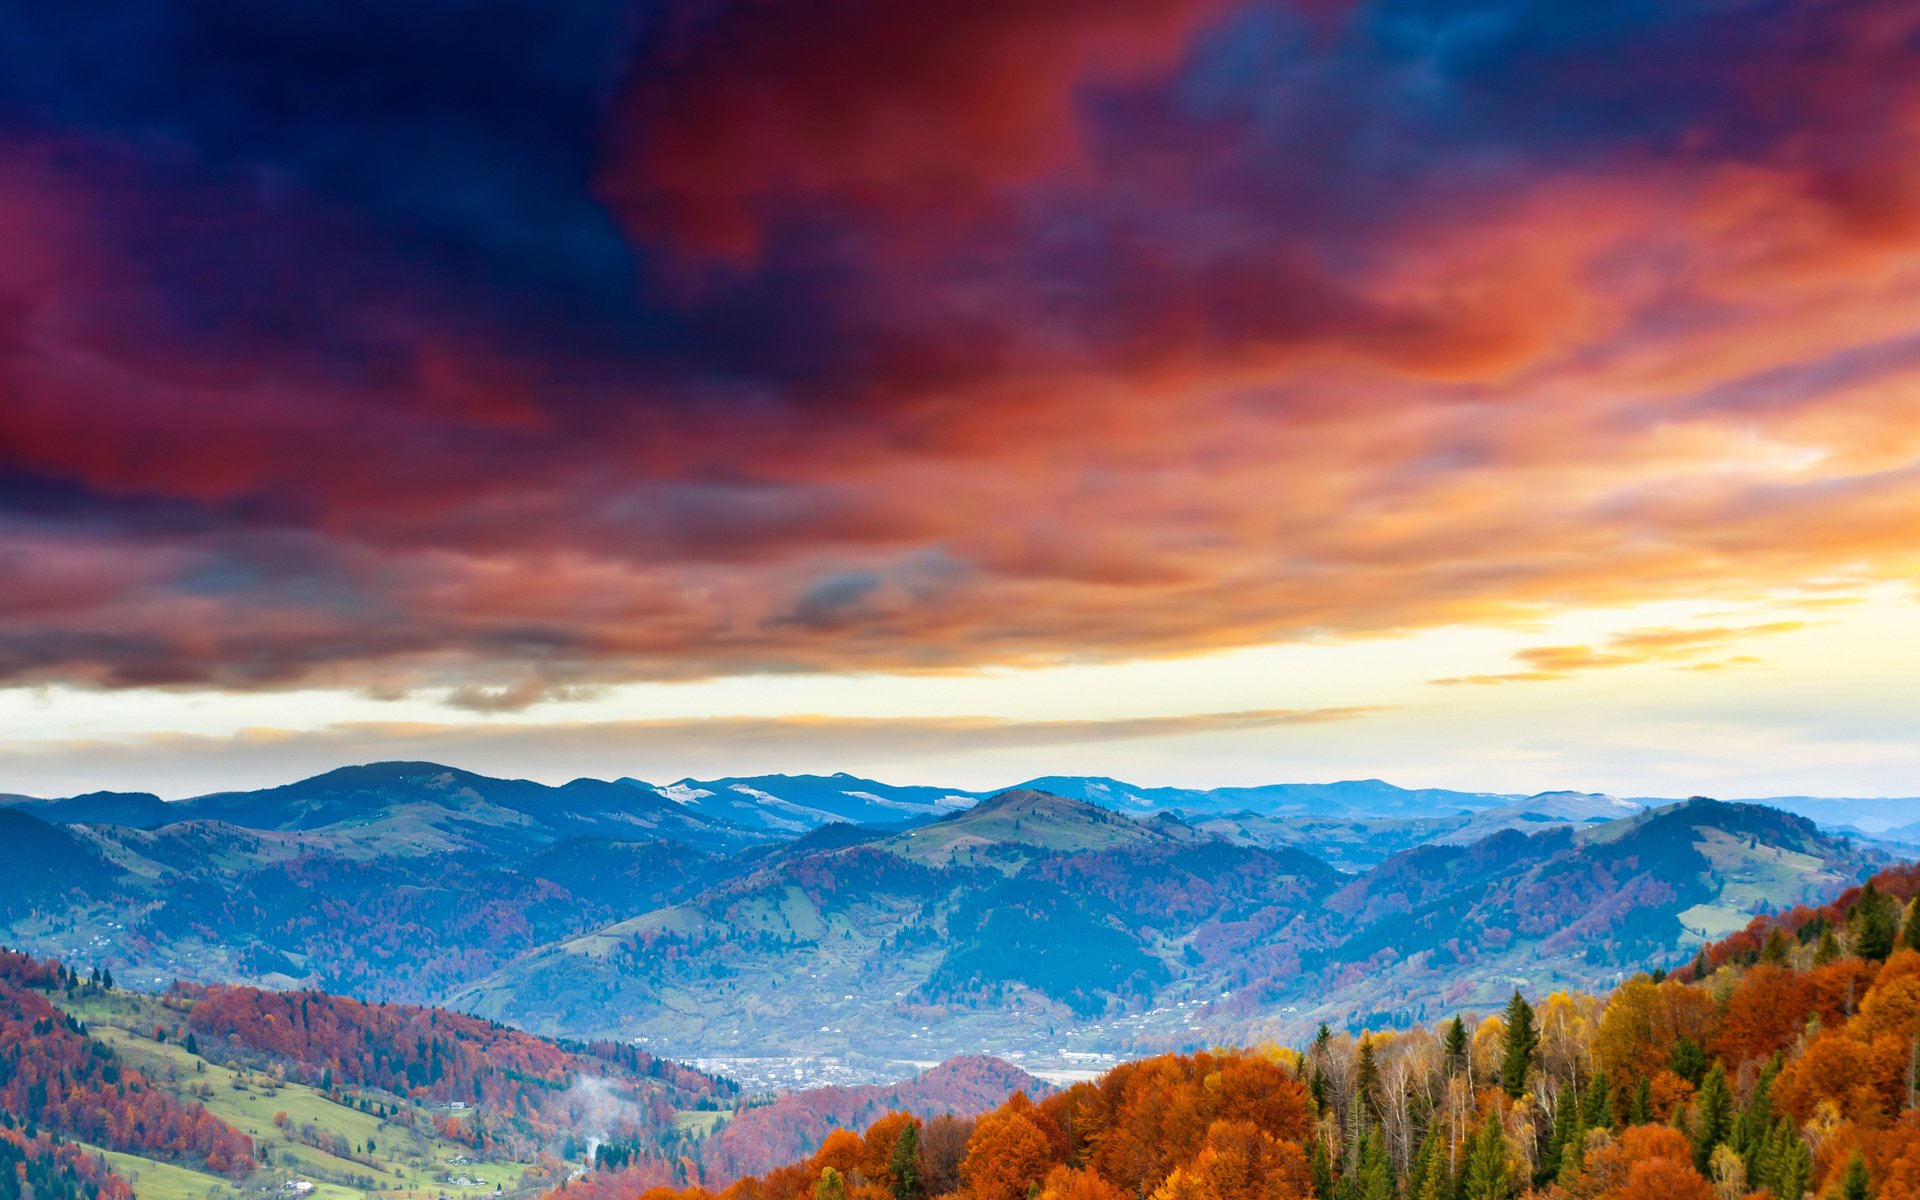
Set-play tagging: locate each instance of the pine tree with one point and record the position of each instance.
(1913, 925)
(1598, 1114)
(1456, 1045)
(1750, 1128)
(1713, 1119)
(1855, 1185)
(1784, 1164)
(1828, 949)
(1573, 1157)
(1878, 918)
(1321, 1165)
(1366, 1083)
(1689, 1060)
(1375, 1176)
(1522, 1040)
(1775, 950)
(904, 1165)
(1488, 1175)
(1641, 1110)
(1423, 1161)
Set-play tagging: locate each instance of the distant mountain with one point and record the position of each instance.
(1453, 925)
(1537, 813)
(140, 810)
(1873, 815)
(1351, 798)
(1357, 844)
(1008, 924)
(448, 806)
(46, 866)
(1031, 915)
(1028, 908)
(1007, 830)
(390, 880)
(790, 804)
(1907, 834)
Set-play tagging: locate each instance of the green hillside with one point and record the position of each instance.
(300, 1132)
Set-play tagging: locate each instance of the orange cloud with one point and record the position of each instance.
(1678, 646)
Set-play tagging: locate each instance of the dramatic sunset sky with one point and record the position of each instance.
(1500, 394)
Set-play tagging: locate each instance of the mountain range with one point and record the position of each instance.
(726, 812)
(1051, 928)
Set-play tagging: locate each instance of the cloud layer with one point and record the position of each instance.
(581, 344)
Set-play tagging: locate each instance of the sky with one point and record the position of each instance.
(1498, 395)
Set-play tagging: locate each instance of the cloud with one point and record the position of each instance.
(674, 341)
(1686, 649)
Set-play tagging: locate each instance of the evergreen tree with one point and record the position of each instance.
(1775, 950)
(1375, 1174)
(1751, 1127)
(1488, 1174)
(1321, 1164)
(904, 1165)
(1828, 949)
(1573, 1157)
(1913, 925)
(1641, 1111)
(1423, 1162)
(1456, 1045)
(1598, 1114)
(1855, 1185)
(1713, 1119)
(1689, 1060)
(1523, 1039)
(1878, 917)
(1366, 1081)
(1784, 1165)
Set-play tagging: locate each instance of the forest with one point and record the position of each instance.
(1782, 1063)
(53, 1075)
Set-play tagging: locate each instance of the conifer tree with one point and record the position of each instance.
(1877, 915)
(904, 1164)
(1522, 1040)
(1784, 1165)
(1456, 1045)
(1573, 1157)
(1774, 952)
(1855, 1185)
(1689, 1060)
(1713, 1119)
(1828, 949)
(1321, 1165)
(1913, 925)
(1641, 1110)
(1488, 1175)
(1599, 1113)
(1366, 1082)
(1375, 1174)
